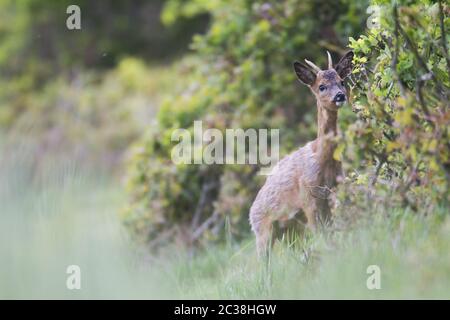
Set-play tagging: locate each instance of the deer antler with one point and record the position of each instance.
(312, 65)
(330, 61)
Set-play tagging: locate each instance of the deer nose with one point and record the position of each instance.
(340, 97)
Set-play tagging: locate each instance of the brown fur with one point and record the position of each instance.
(303, 179)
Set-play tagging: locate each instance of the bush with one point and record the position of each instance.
(91, 117)
(396, 145)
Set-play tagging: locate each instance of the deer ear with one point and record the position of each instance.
(344, 66)
(304, 74)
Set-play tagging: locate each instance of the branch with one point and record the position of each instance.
(377, 172)
(206, 188)
(205, 225)
(396, 52)
(443, 35)
(420, 98)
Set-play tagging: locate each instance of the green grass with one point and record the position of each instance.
(411, 251)
(65, 215)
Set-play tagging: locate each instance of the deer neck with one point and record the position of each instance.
(326, 122)
(326, 131)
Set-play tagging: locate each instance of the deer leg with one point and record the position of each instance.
(262, 227)
(310, 213)
(324, 213)
(317, 213)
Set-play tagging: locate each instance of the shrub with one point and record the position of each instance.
(395, 146)
(91, 117)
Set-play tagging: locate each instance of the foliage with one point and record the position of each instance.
(109, 29)
(91, 117)
(175, 9)
(36, 47)
(396, 145)
(242, 77)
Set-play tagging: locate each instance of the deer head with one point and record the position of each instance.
(327, 85)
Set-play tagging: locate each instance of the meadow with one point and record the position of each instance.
(69, 216)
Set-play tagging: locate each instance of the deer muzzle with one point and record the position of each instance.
(339, 99)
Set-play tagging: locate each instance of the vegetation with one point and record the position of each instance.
(69, 218)
(92, 117)
(397, 142)
(73, 103)
(86, 93)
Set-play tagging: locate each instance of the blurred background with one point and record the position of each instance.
(88, 93)
(86, 118)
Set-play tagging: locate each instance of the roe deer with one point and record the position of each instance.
(302, 180)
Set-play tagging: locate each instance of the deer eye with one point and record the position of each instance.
(322, 87)
(342, 83)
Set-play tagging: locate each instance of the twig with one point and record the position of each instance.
(206, 188)
(419, 96)
(377, 172)
(162, 237)
(205, 225)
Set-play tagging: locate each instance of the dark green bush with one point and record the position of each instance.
(396, 145)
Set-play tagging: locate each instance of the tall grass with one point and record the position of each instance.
(64, 214)
(412, 252)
